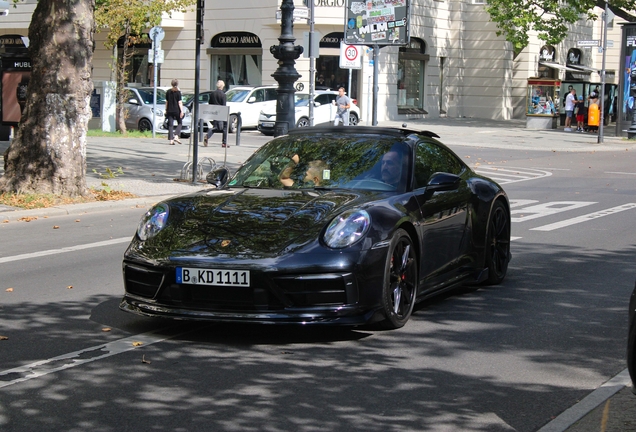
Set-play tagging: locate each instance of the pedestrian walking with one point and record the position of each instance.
(581, 113)
(217, 97)
(343, 103)
(570, 100)
(174, 112)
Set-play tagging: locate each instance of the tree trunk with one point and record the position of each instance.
(48, 154)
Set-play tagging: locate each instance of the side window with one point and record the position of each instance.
(259, 95)
(431, 158)
(323, 99)
(271, 94)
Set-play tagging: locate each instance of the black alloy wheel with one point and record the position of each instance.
(145, 125)
(400, 281)
(498, 244)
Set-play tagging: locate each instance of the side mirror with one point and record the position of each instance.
(251, 100)
(317, 104)
(440, 182)
(219, 177)
(133, 101)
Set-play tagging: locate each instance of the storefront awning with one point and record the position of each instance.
(559, 66)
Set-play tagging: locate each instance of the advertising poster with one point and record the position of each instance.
(14, 93)
(377, 22)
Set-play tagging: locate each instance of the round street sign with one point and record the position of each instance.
(351, 52)
(156, 33)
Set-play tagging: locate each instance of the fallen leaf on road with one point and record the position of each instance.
(9, 290)
(77, 220)
(137, 343)
(5, 221)
(4, 337)
(69, 287)
(106, 329)
(143, 359)
(56, 226)
(28, 218)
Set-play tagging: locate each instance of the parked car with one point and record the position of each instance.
(247, 100)
(321, 226)
(324, 112)
(139, 106)
(631, 340)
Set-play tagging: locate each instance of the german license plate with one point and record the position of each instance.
(267, 124)
(215, 277)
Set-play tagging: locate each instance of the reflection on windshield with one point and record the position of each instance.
(236, 95)
(301, 100)
(328, 161)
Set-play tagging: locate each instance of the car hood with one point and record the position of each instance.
(254, 222)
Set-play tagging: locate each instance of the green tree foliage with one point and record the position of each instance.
(131, 19)
(551, 19)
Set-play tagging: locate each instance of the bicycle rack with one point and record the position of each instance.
(186, 171)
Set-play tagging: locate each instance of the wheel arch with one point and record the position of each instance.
(412, 232)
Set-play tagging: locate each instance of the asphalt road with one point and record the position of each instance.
(512, 357)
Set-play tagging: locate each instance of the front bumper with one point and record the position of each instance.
(342, 291)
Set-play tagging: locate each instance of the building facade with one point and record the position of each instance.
(455, 65)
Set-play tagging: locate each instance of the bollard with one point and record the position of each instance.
(238, 128)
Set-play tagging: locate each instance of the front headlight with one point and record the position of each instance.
(153, 221)
(158, 112)
(347, 228)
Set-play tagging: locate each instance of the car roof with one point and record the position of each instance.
(358, 130)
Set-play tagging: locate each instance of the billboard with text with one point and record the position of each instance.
(377, 22)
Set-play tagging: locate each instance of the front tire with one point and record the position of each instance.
(302, 122)
(399, 290)
(145, 125)
(498, 244)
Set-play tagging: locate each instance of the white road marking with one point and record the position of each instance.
(585, 218)
(65, 249)
(77, 358)
(518, 203)
(515, 238)
(576, 412)
(622, 173)
(506, 175)
(547, 209)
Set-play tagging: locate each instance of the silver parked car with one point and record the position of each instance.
(139, 104)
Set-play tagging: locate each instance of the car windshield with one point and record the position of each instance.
(328, 160)
(301, 100)
(236, 95)
(147, 96)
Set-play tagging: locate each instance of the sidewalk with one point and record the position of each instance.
(154, 170)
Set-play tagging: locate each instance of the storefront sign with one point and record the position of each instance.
(377, 23)
(235, 40)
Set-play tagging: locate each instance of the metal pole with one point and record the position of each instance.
(312, 63)
(197, 74)
(155, 54)
(600, 126)
(376, 54)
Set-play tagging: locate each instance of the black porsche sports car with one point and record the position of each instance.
(323, 225)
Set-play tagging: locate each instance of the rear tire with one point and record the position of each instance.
(498, 244)
(233, 124)
(399, 291)
(353, 119)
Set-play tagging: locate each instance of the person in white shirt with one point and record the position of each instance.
(570, 100)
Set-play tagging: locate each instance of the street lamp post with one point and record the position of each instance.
(286, 75)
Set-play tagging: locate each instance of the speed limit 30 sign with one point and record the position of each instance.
(350, 56)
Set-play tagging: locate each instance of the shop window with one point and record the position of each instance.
(236, 58)
(412, 61)
(138, 69)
